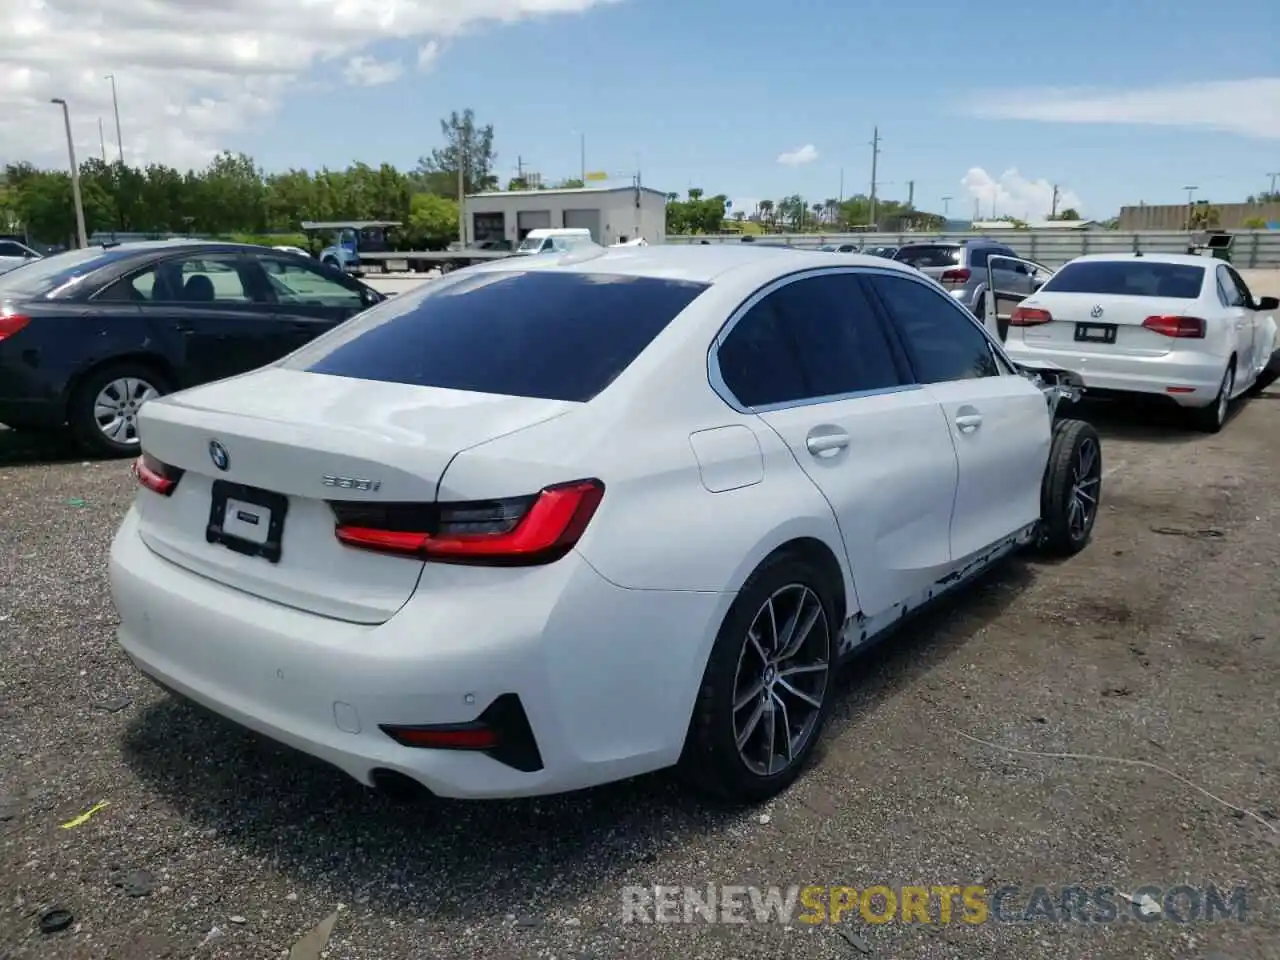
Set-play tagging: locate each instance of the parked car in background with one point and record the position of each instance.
(554, 240)
(88, 336)
(839, 248)
(1183, 328)
(14, 254)
(551, 522)
(881, 251)
(961, 268)
(298, 251)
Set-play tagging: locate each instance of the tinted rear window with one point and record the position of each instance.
(1134, 278)
(41, 277)
(928, 256)
(547, 334)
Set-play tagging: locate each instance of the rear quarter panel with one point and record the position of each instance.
(65, 341)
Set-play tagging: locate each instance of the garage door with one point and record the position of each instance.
(532, 220)
(584, 220)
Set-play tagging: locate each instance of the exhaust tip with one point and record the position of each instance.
(398, 787)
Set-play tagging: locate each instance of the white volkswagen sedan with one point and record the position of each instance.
(556, 521)
(1181, 327)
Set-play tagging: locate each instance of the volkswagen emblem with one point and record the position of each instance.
(1096, 312)
(218, 454)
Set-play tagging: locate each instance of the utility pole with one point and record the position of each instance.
(1191, 192)
(75, 174)
(115, 103)
(977, 209)
(102, 142)
(911, 194)
(1053, 212)
(946, 206)
(462, 192)
(875, 158)
(1273, 177)
(842, 184)
(583, 154)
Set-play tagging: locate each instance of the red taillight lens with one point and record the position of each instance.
(458, 738)
(156, 476)
(516, 531)
(960, 275)
(1029, 317)
(11, 323)
(1192, 327)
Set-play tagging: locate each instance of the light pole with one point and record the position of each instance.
(1191, 192)
(946, 206)
(115, 103)
(75, 174)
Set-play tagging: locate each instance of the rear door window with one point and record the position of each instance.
(922, 256)
(1133, 278)
(811, 339)
(547, 334)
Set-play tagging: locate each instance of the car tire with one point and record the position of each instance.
(725, 747)
(1212, 418)
(143, 382)
(1071, 491)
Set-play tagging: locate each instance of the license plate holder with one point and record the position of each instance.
(247, 520)
(1095, 333)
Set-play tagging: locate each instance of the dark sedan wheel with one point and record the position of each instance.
(103, 414)
(768, 685)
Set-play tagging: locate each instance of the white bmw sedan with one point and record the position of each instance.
(557, 521)
(1181, 327)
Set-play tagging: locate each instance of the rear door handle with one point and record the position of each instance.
(968, 422)
(826, 444)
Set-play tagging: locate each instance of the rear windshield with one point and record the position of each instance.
(547, 334)
(928, 256)
(1134, 278)
(40, 277)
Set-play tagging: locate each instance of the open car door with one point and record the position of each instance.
(1000, 302)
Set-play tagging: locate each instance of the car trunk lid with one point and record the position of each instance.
(280, 445)
(1096, 315)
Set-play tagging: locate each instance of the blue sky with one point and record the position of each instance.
(711, 93)
(705, 93)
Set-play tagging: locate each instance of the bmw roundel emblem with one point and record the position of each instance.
(218, 454)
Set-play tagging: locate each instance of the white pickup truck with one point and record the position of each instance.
(15, 254)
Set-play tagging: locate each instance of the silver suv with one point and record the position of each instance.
(961, 268)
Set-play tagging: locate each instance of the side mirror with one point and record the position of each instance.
(1268, 303)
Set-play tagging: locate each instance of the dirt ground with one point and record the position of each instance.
(1159, 644)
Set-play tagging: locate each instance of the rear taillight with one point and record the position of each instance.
(1191, 327)
(517, 531)
(960, 275)
(156, 476)
(11, 323)
(1029, 317)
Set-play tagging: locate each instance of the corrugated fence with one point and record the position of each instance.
(1252, 249)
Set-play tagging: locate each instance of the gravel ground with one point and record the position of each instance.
(1160, 643)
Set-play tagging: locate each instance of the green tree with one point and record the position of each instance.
(432, 223)
(467, 143)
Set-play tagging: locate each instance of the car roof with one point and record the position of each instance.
(697, 263)
(1185, 259)
(148, 246)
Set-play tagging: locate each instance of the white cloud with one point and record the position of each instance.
(1013, 195)
(799, 156)
(371, 72)
(190, 73)
(1247, 107)
(427, 54)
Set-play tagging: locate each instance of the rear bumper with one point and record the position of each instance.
(605, 676)
(1193, 377)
